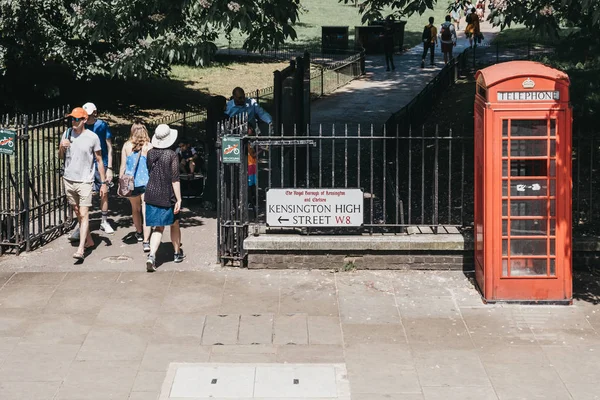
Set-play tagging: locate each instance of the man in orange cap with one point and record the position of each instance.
(79, 148)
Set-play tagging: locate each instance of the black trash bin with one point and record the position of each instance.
(369, 38)
(334, 38)
(398, 33)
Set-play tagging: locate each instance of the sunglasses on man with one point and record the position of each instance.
(77, 119)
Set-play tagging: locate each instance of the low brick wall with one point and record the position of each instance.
(422, 252)
(449, 260)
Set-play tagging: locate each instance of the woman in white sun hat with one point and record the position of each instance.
(163, 194)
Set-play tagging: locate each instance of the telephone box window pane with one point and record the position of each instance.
(505, 208)
(504, 247)
(528, 187)
(534, 127)
(552, 167)
(552, 267)
(528, 148)
(528, 247)
(552, 227)
(528, 266)
(552, 247)
(552, 208)
(505, 188)
(528, 168)
(552, 187)
(528, 227)
(505, 128)
(528, 208)
(552, 127)
(504, 267)
(504, 148)
(504, 168)
(504, 227)
(552, 148)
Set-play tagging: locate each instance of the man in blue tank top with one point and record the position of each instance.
(100, 128)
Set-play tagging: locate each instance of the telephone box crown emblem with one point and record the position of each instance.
(528, 83)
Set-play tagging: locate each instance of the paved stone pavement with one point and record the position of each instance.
(106, 329)
(374, 97)
(97, 334)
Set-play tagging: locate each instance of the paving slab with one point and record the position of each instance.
(29, 390)
(178, 328)
(96, 380)
(291, 330)
(221, 329)
(256, 329)
(324, 330)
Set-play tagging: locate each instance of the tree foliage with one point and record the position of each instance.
(131, 38)
(544, 16)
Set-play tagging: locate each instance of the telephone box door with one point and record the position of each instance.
(536, 206)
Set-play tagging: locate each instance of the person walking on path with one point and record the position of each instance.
(388, 42)
(448, 38)
(100, 128)
(455, 11)
(480, 10)
(80, 147)
(239, 104)
(473, 31)
(429, 41)
(163, 194)
(133, 163)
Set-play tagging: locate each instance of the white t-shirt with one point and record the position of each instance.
(79, 158)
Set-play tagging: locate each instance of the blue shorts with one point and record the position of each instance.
(251, 180)
(97, 178)
(160, 216)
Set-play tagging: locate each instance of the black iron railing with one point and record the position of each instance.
(33, 208)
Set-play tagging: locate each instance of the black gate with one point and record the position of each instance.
(423, 179)
(33, 207)
(232, 204)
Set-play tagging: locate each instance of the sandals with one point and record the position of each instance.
(78, 256)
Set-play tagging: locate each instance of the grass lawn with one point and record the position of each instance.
(187, 88)
(190, 87)
(331, 12)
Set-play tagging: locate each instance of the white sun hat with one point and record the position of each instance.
(164, 137)
(89, 108)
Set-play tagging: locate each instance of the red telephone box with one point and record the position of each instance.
(523, 183)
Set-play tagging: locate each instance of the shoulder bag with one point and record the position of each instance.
(127, 182)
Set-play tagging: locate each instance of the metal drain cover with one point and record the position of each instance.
(256, 381)
(117, 259)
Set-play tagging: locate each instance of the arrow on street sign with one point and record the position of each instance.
(282, 219)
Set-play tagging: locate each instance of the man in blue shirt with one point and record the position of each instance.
(240, 104)
(100, 128)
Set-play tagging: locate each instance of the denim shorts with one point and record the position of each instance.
(160, 216)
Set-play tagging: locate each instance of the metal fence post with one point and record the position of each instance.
(362, 62)
(26, 203)
(322, 81)
(277, 101)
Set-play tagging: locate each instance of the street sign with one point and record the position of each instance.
(231, 146)
(7, 142)
(315, 207)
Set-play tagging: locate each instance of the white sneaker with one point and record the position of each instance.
(105, 226)
(74, 236)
